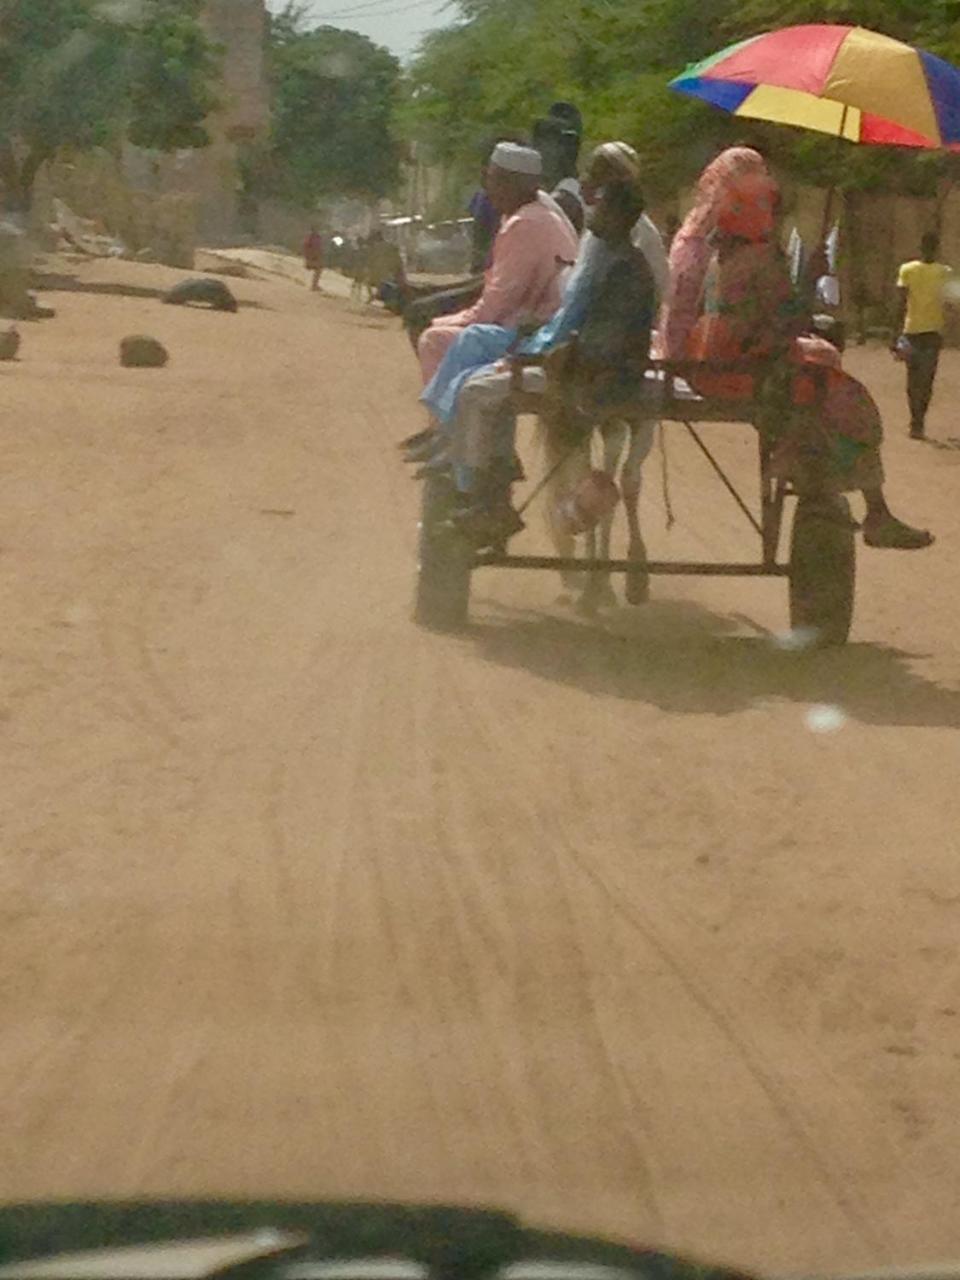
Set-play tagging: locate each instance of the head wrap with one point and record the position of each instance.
(746, 207)
(716, 181)
(692, 246)
(515, 159)
(621, 157)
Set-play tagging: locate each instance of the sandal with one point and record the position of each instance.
(887, 531)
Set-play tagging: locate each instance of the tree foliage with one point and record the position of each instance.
(82, 73)
(505, 60)
(334, 98)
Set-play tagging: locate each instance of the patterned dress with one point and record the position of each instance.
(824, 430)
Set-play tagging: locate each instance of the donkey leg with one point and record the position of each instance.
(571, 469)
(613, 437)
(591, 597)
(631, 484)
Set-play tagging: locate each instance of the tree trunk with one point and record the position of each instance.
(31, 166)
(10, 177)
(18, 178)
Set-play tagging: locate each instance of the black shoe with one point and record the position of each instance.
(508, 471)
(425, 444)
(429, 449)
(439, 464)
(918, 433)
(415, 441)
(485, 526)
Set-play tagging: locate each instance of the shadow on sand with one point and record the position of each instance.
(51, 282)
(688, 660)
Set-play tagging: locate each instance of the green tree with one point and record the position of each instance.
(78, 74)
(335, 94)
(506, 60)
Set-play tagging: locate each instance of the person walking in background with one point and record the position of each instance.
(313, 256)
(918, 333)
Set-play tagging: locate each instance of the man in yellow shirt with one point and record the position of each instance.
(919, 328)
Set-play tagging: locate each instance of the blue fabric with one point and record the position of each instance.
(474, 348)
(726, 94)
(592, 259)
(482, 208)
(464, 477)
(481, 345)
(943, 81)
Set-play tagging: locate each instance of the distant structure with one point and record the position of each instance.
(212, 175)
(163, 203)
(240, 27)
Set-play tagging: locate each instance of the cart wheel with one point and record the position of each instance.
(822, 569)
(638, 577)
(445, 562)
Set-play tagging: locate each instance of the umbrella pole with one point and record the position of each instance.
(831, 193)
(827, 216)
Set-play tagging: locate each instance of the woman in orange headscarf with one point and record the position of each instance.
(692, 248)
(826, 430)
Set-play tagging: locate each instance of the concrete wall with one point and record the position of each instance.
(95, 186)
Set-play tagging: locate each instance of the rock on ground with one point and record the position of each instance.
(141, 352)
(204, 292)
(9, 343)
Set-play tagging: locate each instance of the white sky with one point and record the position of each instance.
(398, 24)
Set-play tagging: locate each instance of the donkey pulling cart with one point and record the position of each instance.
(820, 569)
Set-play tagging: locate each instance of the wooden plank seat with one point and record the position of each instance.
(667, 393)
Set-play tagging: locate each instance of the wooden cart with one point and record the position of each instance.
(820, 570)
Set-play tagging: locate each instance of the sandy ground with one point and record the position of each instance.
(583, 920)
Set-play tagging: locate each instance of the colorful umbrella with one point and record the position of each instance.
(845, 81)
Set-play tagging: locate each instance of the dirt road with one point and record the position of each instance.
(585, 920)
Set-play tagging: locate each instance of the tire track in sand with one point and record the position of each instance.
(517, 778)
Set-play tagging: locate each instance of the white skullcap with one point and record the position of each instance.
(515, 159)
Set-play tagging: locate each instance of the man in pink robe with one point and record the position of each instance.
(535, 246)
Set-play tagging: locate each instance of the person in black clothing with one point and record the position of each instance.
(557, 137)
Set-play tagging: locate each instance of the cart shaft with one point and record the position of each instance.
(682, 568)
